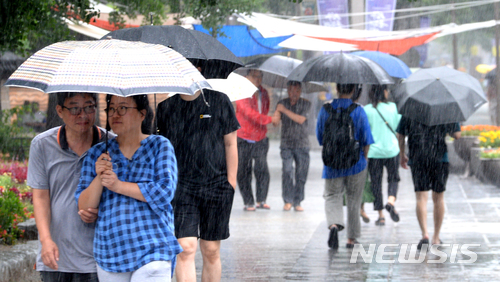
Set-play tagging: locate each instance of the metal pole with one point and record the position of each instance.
(454, 40)
(497, 58)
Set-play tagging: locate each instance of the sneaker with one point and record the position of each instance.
(333, 238)
(351, 245)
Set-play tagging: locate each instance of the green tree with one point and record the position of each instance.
(213, 13)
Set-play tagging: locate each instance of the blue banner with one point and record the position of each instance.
(333, 13)
(380, 14)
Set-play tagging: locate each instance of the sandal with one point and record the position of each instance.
(299, 208)
(249, 208)
(392, 210)
(287, 207)
(423, 242)
(380, 221)
(365, 217)
(263, 206)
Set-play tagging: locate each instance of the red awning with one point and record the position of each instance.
(391, 46)
(104, 24)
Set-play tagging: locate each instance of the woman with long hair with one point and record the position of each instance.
(384, 118)
(132, 185)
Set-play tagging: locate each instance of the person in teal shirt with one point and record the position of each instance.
(384, 118)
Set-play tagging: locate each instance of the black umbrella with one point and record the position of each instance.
(276, 70)
(341, 68)
(201, 49)
(440, 96)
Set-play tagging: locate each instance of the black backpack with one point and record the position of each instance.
(340, 148)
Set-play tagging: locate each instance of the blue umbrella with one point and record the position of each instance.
(392, 65)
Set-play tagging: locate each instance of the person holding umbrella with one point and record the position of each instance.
(383, 117)
(428, 159)
(293, 112)
(351, 179)
(60, 151)
(132, 185)
(253, 143)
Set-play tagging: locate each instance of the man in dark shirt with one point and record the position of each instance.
(202, 129)
(293, 112)
(428, 159)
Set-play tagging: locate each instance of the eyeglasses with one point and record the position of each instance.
(122, 110)
(77, 110)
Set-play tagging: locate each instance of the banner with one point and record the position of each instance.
(425, 22)
(380, 14)
(333, 13)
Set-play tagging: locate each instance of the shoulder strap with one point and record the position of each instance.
(386, 123)
(352, 107)
(328, 107)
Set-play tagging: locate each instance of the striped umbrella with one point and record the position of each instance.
(108, 66)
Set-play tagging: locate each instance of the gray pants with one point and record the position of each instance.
(293, 193)
(333, 195)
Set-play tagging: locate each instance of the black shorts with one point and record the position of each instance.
(432, 176)
(203, 213)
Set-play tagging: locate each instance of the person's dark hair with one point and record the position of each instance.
(344, 89)
(357, 92)
(376, 94)
(250, 70)
(293, 83)
(142, 102)
(62, 96)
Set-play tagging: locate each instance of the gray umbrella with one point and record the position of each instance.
(216, 60)
(276, 69)
(440, 96)
(341, 68)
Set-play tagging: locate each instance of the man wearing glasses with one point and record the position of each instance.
(66, 235)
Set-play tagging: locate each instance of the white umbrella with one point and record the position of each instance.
(236, 87)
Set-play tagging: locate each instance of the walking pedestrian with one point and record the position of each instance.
(367, 196)
(293, 113)
(383, 117)
(428, 159)
(253, 145)
(202, 129)
(56, 157)
(132, 185)
(351, 179)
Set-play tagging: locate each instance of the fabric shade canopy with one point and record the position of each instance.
(245, 42)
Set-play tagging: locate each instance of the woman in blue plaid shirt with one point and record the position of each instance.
(132, 185)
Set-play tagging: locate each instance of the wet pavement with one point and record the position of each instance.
(275, 245)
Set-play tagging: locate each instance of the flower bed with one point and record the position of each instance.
(475, 130)
(16, 203)
(489, 139)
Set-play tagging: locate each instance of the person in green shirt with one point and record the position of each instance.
(384, 118)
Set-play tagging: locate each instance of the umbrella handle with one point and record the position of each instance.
(203, 95)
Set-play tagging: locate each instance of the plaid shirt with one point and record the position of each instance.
(130, 233)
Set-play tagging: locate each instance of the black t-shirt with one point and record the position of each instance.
(197, 133)
(434, 134)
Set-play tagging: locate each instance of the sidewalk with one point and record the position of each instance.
(274, 245)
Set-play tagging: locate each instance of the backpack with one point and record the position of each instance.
(340, 148)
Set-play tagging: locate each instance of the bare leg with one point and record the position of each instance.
(422, 212)
(185, 270)
(391, 200)
(212, 269)
(438, 199)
